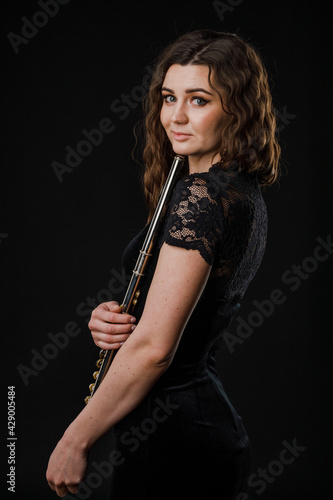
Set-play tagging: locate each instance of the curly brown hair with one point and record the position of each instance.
(236, 71)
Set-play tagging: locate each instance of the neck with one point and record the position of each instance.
(199, 164)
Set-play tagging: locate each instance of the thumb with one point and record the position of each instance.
(113, 306)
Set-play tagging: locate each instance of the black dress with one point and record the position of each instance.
(186, 440)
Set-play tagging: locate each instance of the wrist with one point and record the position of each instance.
(76, 438)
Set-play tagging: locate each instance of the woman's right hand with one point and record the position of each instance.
(109, 327)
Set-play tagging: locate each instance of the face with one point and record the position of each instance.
(192, 114)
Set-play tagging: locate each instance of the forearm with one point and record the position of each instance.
(148, 351)
(130, 377)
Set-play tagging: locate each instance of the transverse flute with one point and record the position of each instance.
(132, 292)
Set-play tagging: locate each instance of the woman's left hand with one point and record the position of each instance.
(67, 467)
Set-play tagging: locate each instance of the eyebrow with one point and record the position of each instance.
(188, 91)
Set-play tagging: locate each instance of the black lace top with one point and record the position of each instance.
(222, 215)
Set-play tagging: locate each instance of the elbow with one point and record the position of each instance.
(154, 353)
(158, 358)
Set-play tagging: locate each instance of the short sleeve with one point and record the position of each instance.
(195, 218)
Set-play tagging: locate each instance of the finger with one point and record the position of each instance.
(110, 328)
(111, 316)
(110, 304)
(61, 490)
(73, 488)
(114, 306)
(119, 317)
(109, 339)
(109, 347)
(51, 485)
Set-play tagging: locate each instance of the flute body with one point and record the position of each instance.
(132, 292)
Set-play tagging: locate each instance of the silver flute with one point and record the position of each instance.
(132, 293)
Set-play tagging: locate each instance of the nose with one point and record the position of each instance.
(179, 114)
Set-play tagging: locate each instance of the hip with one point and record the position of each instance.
(179, 408)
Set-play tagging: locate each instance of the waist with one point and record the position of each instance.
(180, 376)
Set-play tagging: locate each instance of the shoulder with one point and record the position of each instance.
(202, 209)
(195, 216)
(195, 198)
(214, 199)
(209, 190)
(200, 188)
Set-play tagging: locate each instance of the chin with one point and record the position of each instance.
(182, 149)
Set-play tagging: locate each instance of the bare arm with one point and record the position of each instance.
(178, 281)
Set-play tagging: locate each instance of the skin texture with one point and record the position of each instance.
(147, 351)
(193, 119)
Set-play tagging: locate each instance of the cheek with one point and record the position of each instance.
(210, 125)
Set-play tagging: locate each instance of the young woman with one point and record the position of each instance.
(177, 433)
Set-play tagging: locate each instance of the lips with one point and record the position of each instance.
(180, 136)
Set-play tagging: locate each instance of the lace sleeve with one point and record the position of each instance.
(194, 219)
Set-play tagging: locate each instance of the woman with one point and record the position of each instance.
(176, 431)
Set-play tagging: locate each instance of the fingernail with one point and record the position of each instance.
(133, 320)
(121, 343)
(133, 327)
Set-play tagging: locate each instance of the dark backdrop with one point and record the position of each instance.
(66, 70)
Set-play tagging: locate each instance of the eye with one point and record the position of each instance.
(199, 101)
(168, 98)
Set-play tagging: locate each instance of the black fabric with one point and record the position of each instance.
(186, 438)
(221, 214)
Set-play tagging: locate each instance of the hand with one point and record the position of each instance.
(109, 327)
(67, 467)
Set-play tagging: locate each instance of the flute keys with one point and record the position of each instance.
(91, 388)
(136, 296)
(99, 362)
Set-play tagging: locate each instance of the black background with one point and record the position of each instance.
(61, 242)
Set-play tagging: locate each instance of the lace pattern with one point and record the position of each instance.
(222, 215)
